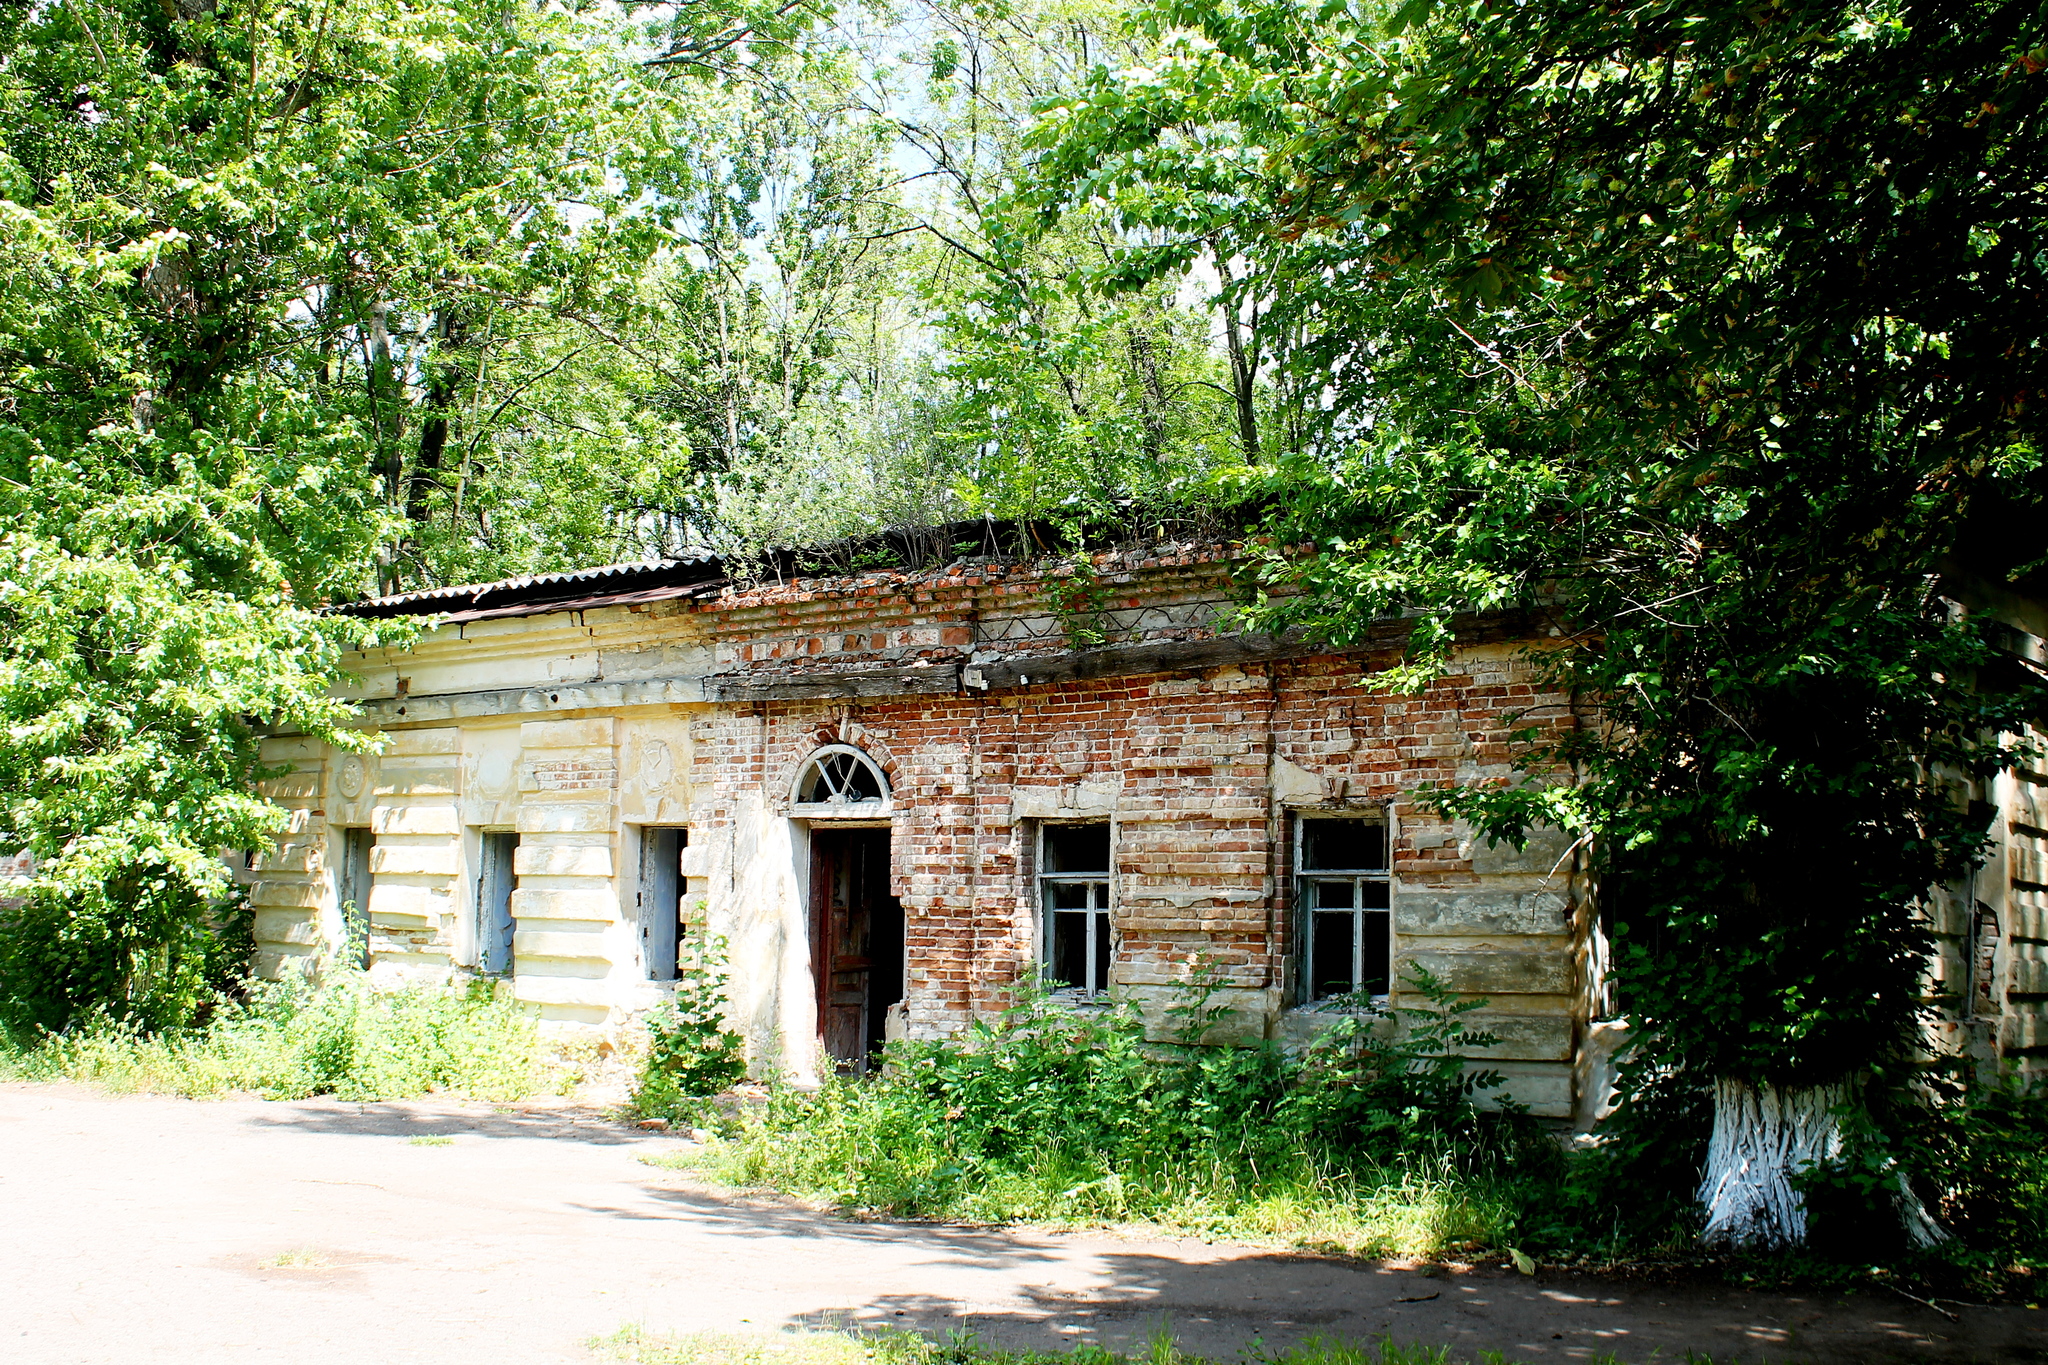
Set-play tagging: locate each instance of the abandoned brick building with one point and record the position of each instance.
(891, 792)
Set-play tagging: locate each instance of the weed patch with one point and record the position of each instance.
(691, 1053)
(1371, 1144)
(292, 1039)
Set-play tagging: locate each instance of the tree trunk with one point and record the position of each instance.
(1763, 1137)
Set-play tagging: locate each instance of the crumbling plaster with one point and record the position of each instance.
(579, 728)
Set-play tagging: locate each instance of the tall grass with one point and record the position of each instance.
(292, 1039)
(1369, 1144)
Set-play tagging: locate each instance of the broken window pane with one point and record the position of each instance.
(839, 776)
(1071, 895)
(1075, 895)
(1076, 848)
(1333, 955)
(1343, 845)
(1346, 920)
(1080, 951)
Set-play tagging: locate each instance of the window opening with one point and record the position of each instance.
(1342, 902)
(352, 882)
(1074, 868)
(840, 774)
(661, 899)
(495, 879)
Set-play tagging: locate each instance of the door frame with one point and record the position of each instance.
(816, 910)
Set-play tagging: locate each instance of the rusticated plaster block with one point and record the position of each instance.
(1523, 1037)
(299, 749)
(565, 817)
(293, 786)
(1539, 854)
(446, 740)
(1251, 1011)
(1496, 972)
(268, 892)
(431, 777)
(594, 905)
(427, 818)
(1545, 1087)
(423, 902)
(290, 858)
(562, 860)
(285, 926)
(418, 860)
(1480, 912)
(531, 945)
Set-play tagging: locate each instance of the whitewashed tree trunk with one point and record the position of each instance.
(1763, 1136)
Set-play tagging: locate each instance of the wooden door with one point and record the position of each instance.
(856, 941)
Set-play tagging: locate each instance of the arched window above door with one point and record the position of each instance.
(840, 777)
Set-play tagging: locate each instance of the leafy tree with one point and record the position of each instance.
(249, 256)
(1049, 397)
(1704, 335)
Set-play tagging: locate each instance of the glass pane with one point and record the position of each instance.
(1074, 895)
(1330, 955)
(1077, 848)
(1069, 965)
(1343, 845)
(1378, 943)
(1372, 895)
(1103, 952)
(1331, 895)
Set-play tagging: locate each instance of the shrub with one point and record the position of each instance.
(1371, 1142)
(691, 1052)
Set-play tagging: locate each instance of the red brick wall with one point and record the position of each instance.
(1202, 853)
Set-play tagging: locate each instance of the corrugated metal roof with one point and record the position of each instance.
(539, 590)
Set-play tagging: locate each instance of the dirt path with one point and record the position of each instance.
(138, 1229)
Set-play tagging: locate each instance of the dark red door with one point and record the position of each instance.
(856, 941)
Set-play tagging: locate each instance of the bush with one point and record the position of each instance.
(292, 1039)
(1369, 1143)
(691, 1053)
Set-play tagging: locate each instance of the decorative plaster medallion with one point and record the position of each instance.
(353, 773)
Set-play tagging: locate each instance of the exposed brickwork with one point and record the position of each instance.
(1202, 770)
(1183, 763)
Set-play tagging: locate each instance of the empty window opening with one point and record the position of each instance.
(840, 775)
(352, 891)
(661, 900)
(1342, 904)
(495, 879)
(1074, 877)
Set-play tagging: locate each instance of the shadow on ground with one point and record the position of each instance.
(437, 1118)
(1225, 1303)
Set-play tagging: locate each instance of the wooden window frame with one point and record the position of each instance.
(1306, 912)
(1099, 915)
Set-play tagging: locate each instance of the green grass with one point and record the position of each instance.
(1421, 1207)
(289, 1040)
(638, 1347)
(429, 1140)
